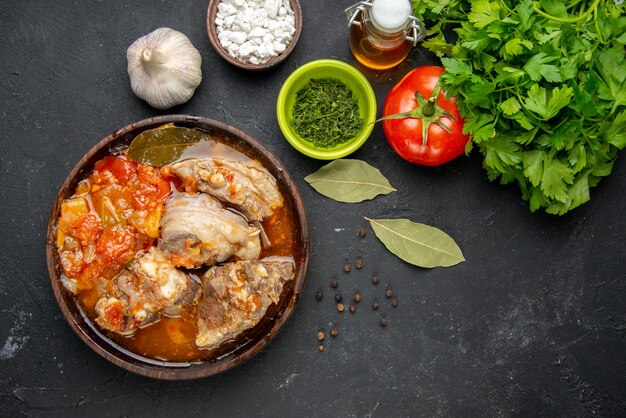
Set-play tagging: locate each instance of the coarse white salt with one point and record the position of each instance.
(254, 31)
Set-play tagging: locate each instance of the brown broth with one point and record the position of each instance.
(173, 339)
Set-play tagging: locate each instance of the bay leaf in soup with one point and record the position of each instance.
(419, 244)
(349, 181)
(163, 145)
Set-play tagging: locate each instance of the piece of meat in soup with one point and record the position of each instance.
(245, 184)
(137, 296)
(237, 295)
(196, 230)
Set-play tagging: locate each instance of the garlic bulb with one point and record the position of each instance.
(164, 68)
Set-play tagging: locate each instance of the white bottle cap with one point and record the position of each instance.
(390, 15)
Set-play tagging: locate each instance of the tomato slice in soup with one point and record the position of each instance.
(120, 169)
(114, 242)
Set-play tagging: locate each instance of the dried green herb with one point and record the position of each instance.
(326, 113)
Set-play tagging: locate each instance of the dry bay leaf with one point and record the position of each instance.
(163, 145)
(418, 244)
(349, 181)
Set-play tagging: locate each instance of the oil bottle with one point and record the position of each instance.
(383, 32)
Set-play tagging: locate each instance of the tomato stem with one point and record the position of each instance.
(429, 107)
(582, 16)
(428, 111)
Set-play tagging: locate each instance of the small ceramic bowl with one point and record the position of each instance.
(212, 32)
(258, 336)
(326, 68)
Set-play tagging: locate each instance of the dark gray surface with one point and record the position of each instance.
(531, 324)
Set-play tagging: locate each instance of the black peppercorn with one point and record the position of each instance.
(375, 280)
(338, 297)
(375, 305)
(319, 295)
(346, 267)
(384, 322)
(334, 332)
(358, 263)
(361, 232)
(352, 308)
(340, 307)
(334, 283)
(388, 293)
(394, 302)
(357, 297)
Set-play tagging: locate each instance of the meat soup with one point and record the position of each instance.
(177, 263)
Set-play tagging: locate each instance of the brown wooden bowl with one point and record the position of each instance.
(212, 32)
(257, 337)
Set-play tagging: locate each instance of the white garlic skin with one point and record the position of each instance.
(164, 68)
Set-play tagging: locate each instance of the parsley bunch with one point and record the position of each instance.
(541, 86)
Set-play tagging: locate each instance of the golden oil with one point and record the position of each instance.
(377, 50)
(383, 32)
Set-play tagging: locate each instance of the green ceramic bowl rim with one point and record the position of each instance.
(340, 150)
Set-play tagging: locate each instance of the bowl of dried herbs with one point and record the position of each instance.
(326, 109)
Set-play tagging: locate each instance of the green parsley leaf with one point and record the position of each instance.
(559, 98)
(556, 176)
(538, 67)
(566, 134)
(548, 36)
(483, 13)
(456, 67)
(478, 94)
(501, 152)
(510, 106)
(480, 125)
(578, 193)
(577, 157)
(438, 45)
(612, 68)
(533, 165)
(525, 138)
(524, 121)
(537, 199)
(486, 61)
(554, 7)
(602, 170)
(525, 10)
(568, 69)
(538, 101)
(616, 130)
(512, 48)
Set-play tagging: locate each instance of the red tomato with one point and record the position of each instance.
(119, 167)
(72, 262)
(114, 242)
(91, 273)
(113, 313)
(151, 188)
(86, 229)
(405, 134)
